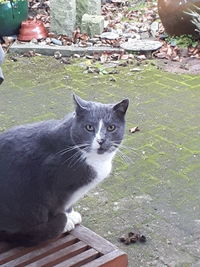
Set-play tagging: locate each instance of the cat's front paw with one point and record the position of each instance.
(75, 217)
(69, 226)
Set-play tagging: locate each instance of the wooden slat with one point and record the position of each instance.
(41, 251)
(80, 247)
(115, 258)
(61, 255)
(15, 252)
(93, 240)
(80, 259)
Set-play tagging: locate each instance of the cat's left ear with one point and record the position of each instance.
(121, 107)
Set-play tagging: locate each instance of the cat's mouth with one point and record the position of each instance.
(101, 150)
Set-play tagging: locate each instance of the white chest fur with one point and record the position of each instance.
(102, 165)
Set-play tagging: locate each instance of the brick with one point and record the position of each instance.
(163, 156)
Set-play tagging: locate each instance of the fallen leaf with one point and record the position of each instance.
(160, 55)
(65, 60)
(89, 57)
(126, 56)
(135, 70)
(123, 64)
(104, 57)
(177, 58)
(112, 79)
(76, 55)
(57, 55)
(29, 54)
(113, 72)
(134, 129)
(141, 57)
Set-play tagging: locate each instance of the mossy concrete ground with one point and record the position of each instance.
(157, 188)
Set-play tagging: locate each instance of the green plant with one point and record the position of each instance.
(182, 41)
(195, 17)
(5, 1)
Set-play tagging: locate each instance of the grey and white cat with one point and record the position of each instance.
(46, 167)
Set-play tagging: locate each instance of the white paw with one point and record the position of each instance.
(69, 225)
(75, 217)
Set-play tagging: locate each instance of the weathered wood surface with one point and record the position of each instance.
(80, 247)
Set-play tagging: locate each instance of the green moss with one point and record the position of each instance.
(164, 154)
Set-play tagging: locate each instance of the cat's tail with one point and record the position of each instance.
(38, 234)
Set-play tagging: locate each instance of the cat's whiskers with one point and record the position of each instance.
(73, 156)
(124, 157)
(70, 159)
(126, 147)
(70, 148)
(64, 151)
(77, 160)
(76, 157)
(121, 154)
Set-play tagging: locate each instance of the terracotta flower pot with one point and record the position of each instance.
(172, 15)
(32, 29)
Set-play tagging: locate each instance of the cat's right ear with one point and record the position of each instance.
(81, 105)
(121, 107)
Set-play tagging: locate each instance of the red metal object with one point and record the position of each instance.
(32, 29)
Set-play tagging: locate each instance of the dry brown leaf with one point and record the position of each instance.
(169, 51)
(125, 57)
(134, 129)
(84, 37)
(104, 57)
(141, 57)
(177, 58)
(160, 55)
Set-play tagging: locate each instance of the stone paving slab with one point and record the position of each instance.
(141, 45)
(66, 51)
(157, 188)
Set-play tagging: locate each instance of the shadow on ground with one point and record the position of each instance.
(157, 188)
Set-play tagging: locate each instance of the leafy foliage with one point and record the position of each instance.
(182, 41)
(6, 1)
(195, 18)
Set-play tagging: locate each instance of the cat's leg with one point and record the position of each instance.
(73, 218)
(40, 233)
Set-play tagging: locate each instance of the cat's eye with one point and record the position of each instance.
(111, 128)
(89, 128)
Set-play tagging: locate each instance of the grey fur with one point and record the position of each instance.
(37, 171)
(2, 55)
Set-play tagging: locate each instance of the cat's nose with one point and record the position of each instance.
(100, 141)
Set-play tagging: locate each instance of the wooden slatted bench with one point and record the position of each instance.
(80, 247)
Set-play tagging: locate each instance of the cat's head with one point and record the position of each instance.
(98, 127)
